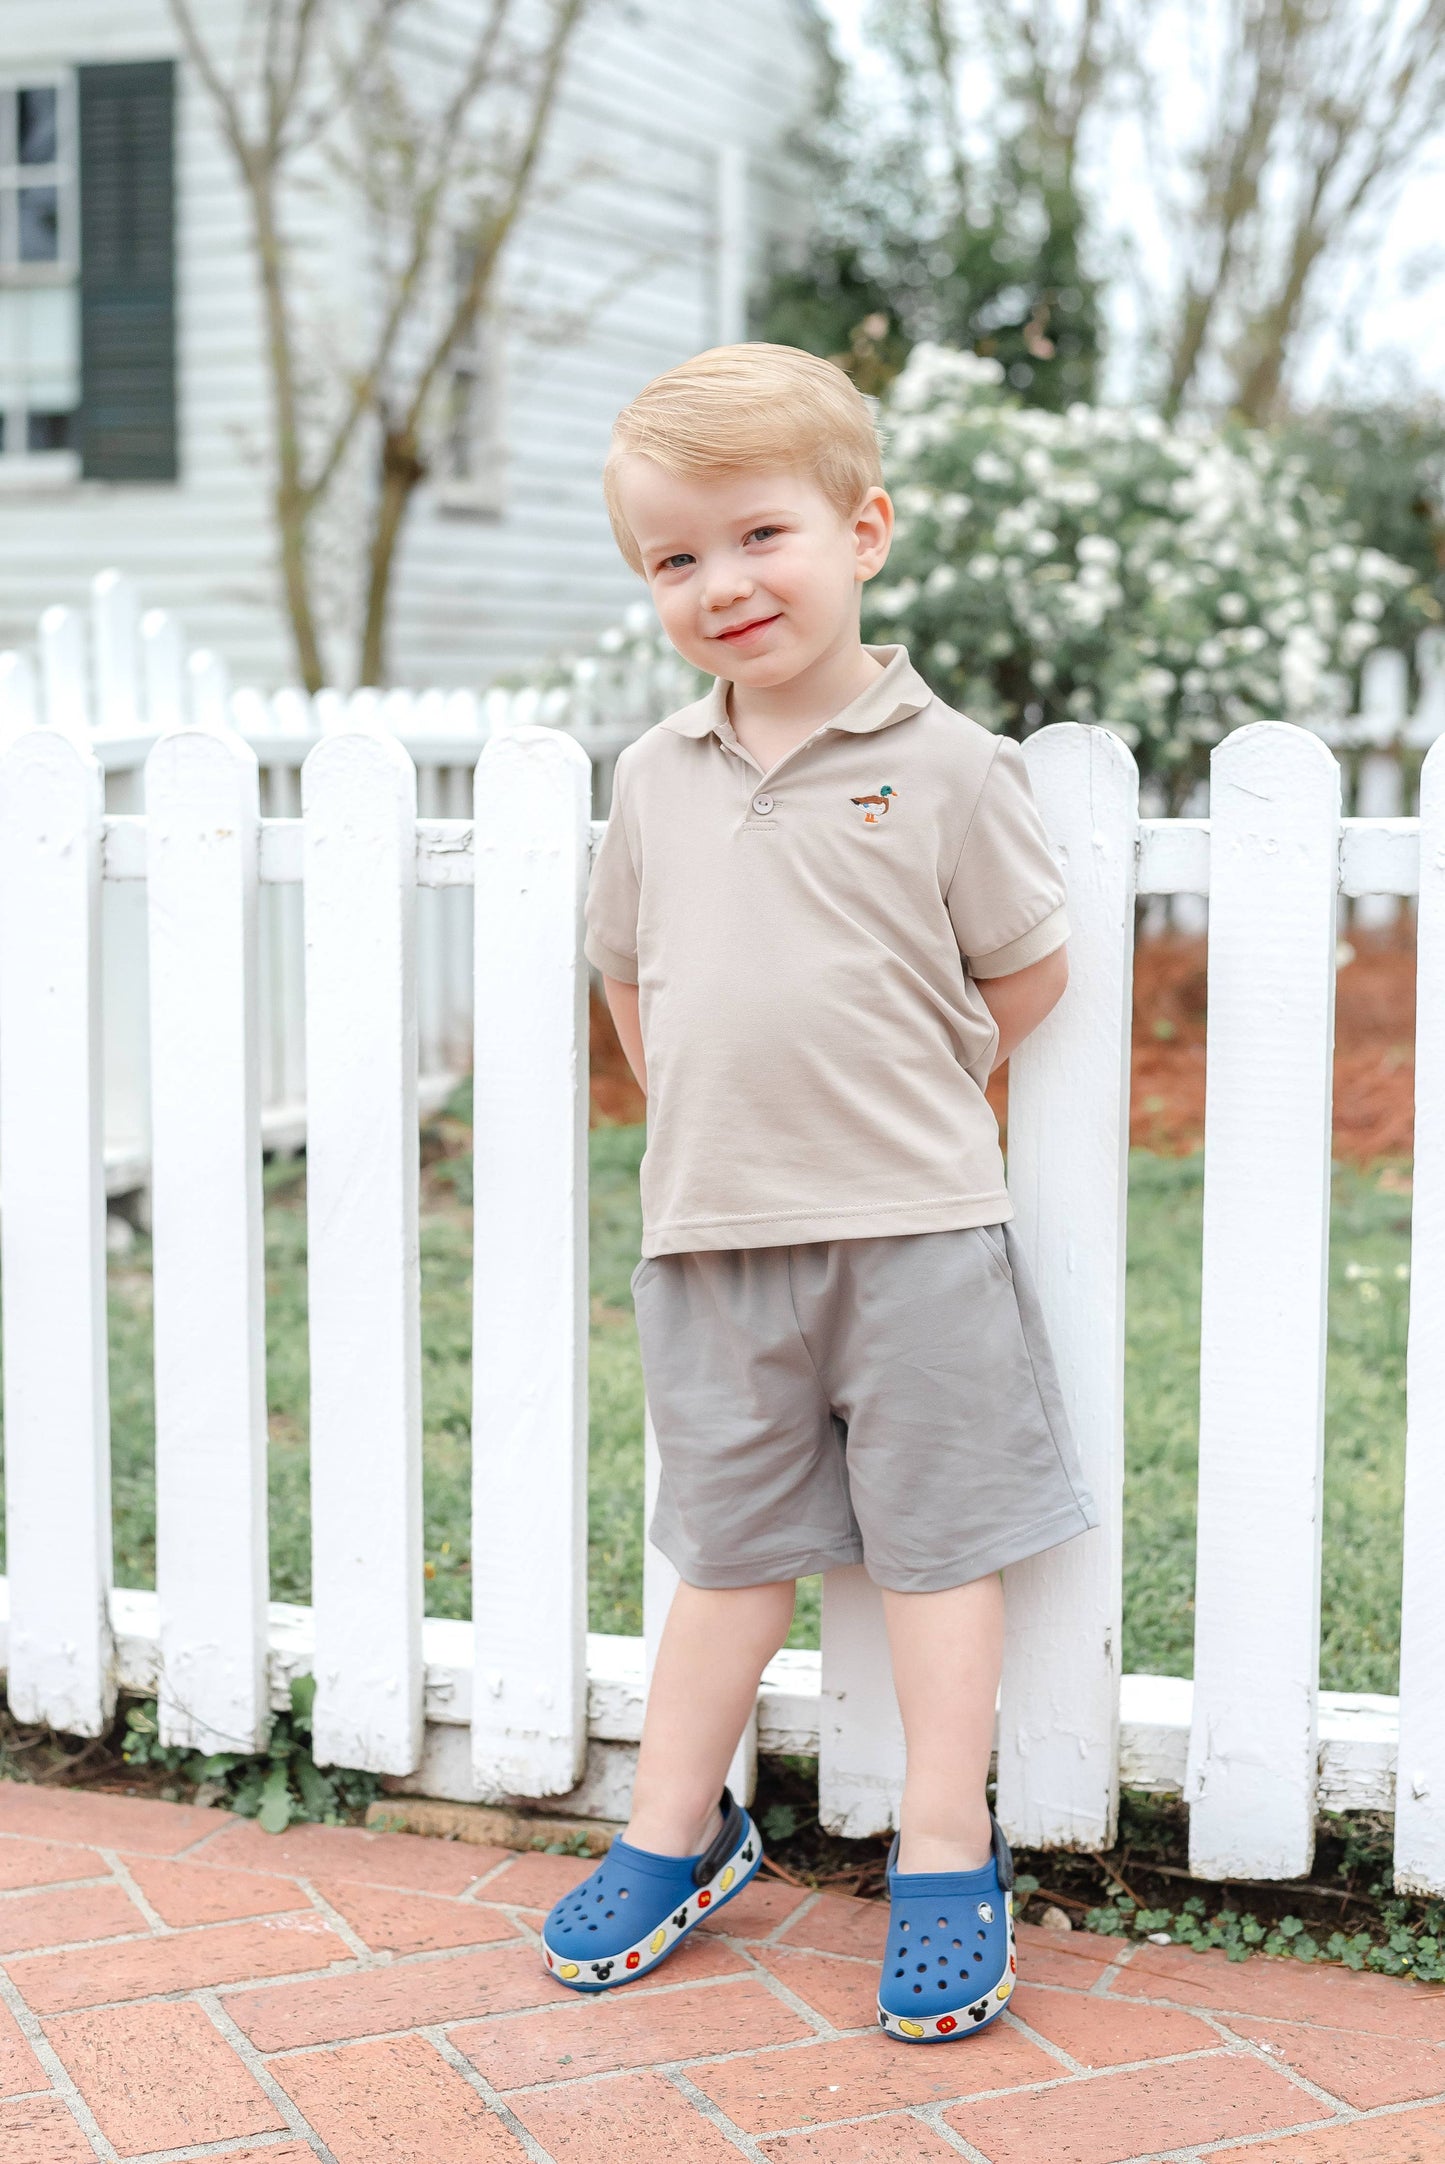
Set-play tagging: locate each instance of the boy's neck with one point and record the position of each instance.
(771, 720)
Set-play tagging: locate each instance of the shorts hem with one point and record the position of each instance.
(771, 1570)
(1048, 1533)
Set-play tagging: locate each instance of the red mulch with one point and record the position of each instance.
(1374, 1050)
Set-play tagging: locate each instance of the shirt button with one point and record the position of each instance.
(762, 804)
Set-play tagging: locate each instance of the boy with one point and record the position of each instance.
(824, 910)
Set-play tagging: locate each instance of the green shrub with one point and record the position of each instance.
(1099, 566)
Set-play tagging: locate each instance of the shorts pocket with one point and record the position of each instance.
(641, 1266)
(993, 1239)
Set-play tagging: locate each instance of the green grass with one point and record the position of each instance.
(1365, 1422)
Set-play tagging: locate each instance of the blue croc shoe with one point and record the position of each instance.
(950, 1964)
(636, 1907)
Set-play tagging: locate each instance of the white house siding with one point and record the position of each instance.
(653, 91)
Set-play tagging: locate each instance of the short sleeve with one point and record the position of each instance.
(612, 897)
(1006, 897)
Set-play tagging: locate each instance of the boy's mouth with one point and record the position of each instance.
(735, 633)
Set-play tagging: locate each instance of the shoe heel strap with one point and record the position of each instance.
(713, 1858)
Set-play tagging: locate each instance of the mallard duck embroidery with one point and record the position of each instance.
(874, 807)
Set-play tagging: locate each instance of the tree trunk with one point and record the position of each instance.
(293, 506)
(401, 470)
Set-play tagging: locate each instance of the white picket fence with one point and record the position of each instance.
(115, 677)
(508, 1703)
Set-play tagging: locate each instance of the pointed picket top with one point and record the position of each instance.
(1420, 1778)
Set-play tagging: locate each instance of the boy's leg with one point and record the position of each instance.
(947, 1651)
(715, 1646)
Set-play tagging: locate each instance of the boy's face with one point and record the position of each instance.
(754, 574)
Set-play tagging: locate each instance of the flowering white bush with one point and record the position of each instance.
(1099, 566)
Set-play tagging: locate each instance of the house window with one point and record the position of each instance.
(39, 269)
(473, 464)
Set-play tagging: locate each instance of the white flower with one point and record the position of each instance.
(990, 467)
(945, 654)
(941, 580)
(1097, 548)
(1370, 607)
(1233, 608)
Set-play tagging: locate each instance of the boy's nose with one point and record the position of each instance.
(726, 586)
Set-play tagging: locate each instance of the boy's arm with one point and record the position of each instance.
(1019, 1001)
(622, 1005)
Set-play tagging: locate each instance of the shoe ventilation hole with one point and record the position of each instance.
(978, 1957)
(923, 1968)
(943, 1961)
(925, 1940)
(943, 1923)
(918, 1987)
(622, 1896)
(898, 1972)
(610, 1914)
(904, 1927)
(983, 1934)
(959, 1944)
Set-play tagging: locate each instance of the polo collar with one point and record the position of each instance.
(897, 693)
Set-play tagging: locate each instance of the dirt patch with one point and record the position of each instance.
(1374, 1050)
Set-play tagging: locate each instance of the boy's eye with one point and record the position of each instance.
(763, 533)
(670, 563)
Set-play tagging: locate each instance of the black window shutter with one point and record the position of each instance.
(127, 272)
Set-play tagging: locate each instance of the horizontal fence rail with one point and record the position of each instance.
(520, 1701)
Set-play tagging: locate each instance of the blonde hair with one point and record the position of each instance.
(755, 405)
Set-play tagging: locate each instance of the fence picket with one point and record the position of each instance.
(1059, 1720)
(362, 1169)
(52, 1237)
(203, 800)
(860, 1734)
(529, 1323)
(1274, 854)
(115, 633)
(62, 673)
(1420, 1776)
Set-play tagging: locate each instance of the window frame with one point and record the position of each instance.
(21, 465)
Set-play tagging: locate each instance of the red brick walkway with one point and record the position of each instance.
(175, 1984)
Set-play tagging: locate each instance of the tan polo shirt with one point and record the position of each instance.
(804, 942)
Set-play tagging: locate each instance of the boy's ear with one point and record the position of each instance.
(873, 532)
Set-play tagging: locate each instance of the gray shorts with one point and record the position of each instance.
(889, 1401)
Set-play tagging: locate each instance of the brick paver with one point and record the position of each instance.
(1407, 2137)
(1364, 2070)
(374, 1996)
(197, 1893)
(399, 1923)
(397, 2102)
(610, 2030)
(891, 2140)
(39, 2130)
(639, 2118)
(1126, 2115)
(43, 1863)
(160, 2076)
(19, 2068)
